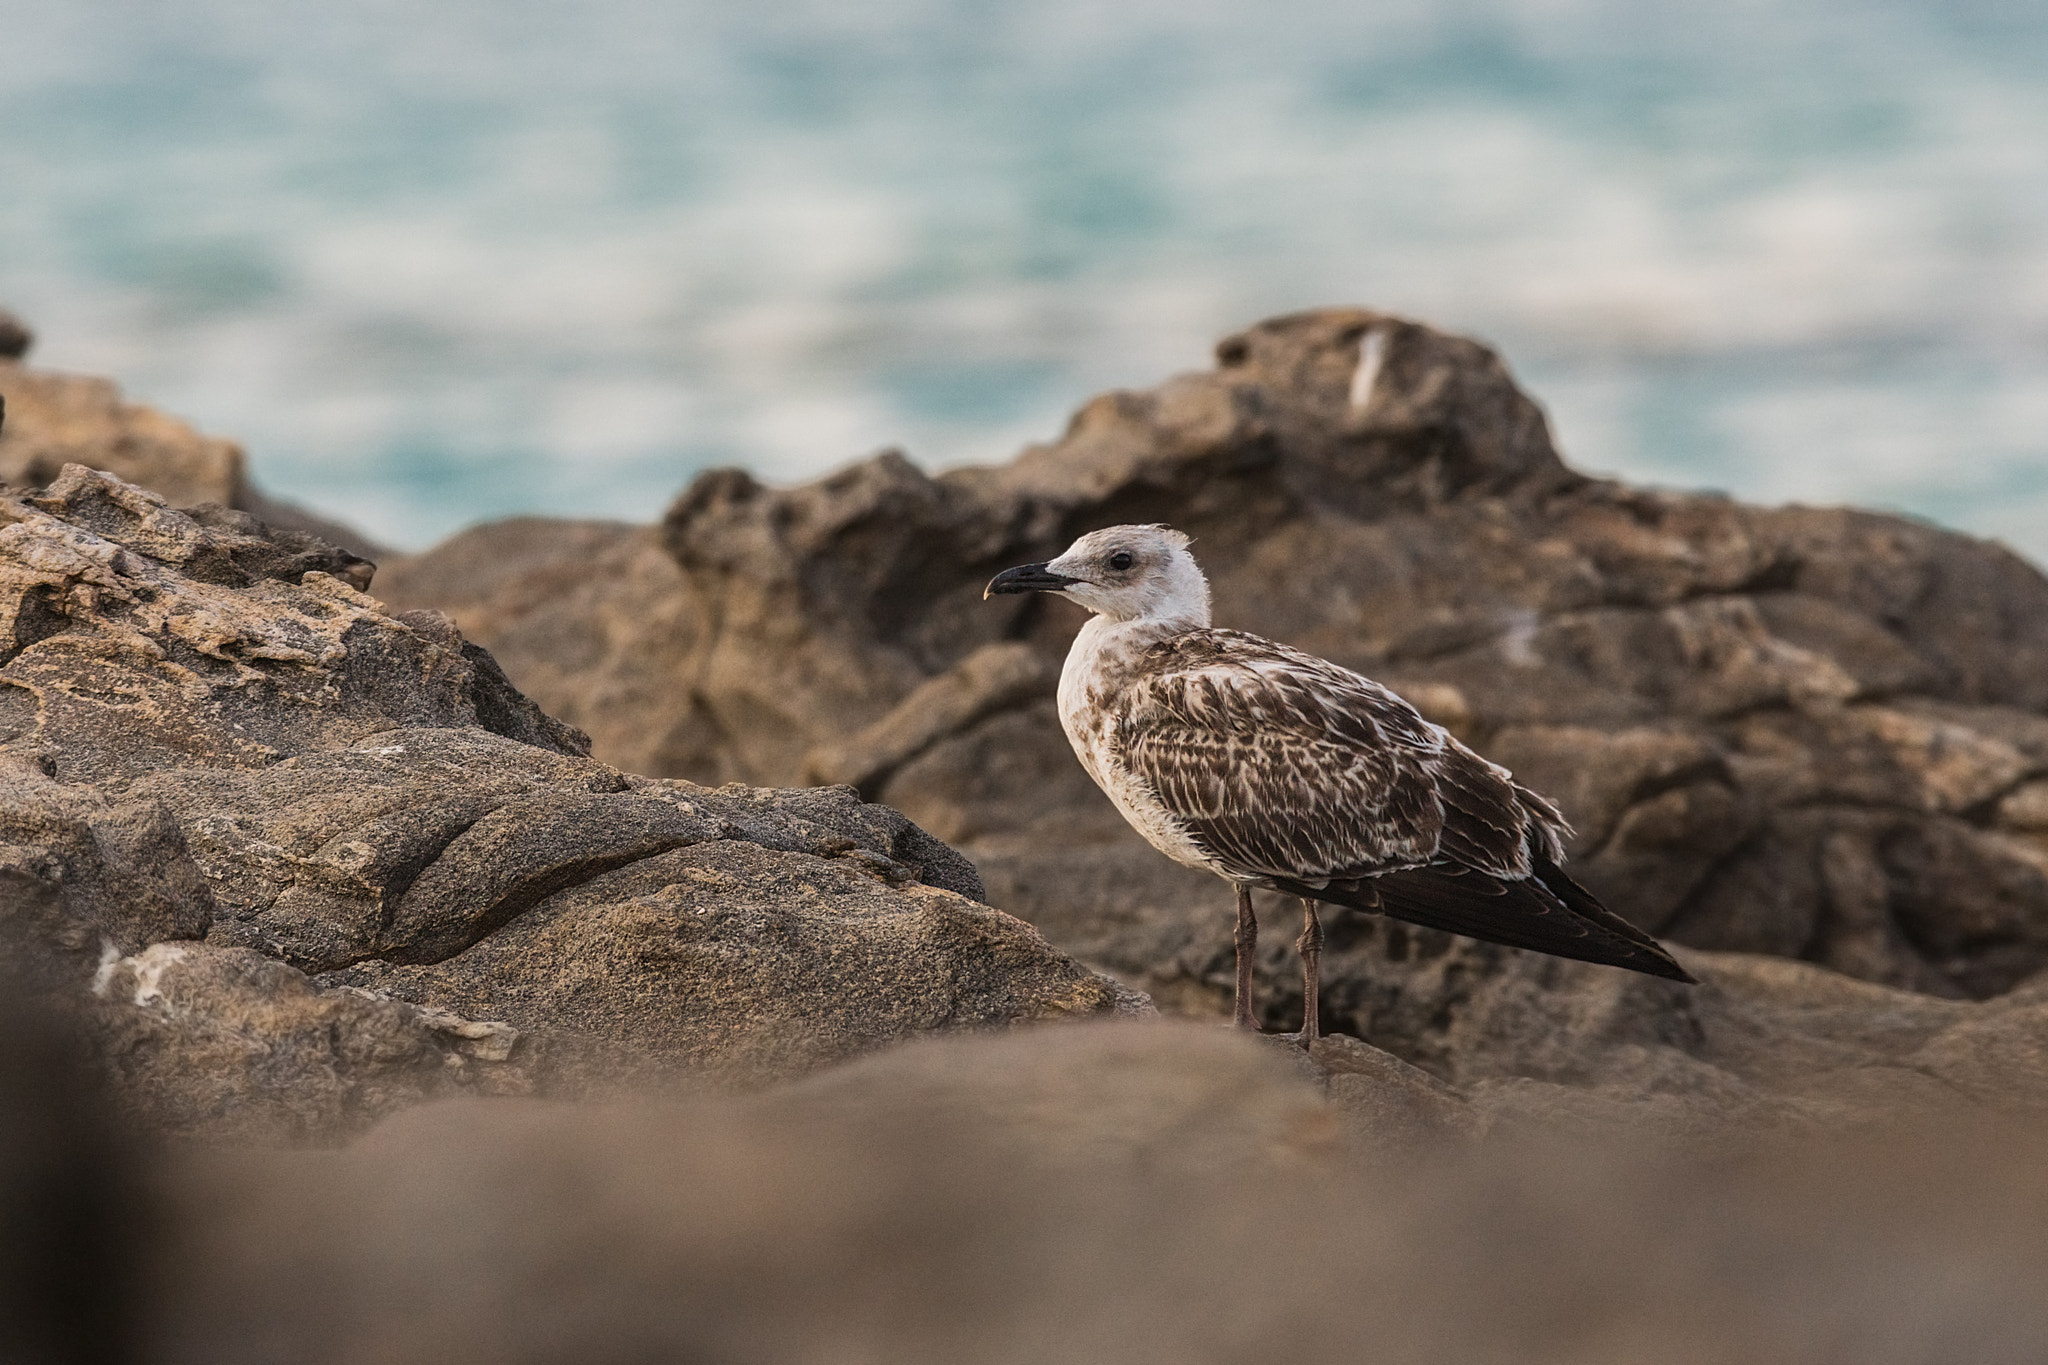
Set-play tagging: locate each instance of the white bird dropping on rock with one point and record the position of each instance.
(1274, 768)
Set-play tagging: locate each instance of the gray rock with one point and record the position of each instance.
(228, 1045)
(736, 964)
(321, 860)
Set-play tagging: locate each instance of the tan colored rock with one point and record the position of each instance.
(145, 638)
(59, 419)
(55, 419)
(2025, 808)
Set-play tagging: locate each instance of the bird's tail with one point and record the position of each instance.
(1546, 911)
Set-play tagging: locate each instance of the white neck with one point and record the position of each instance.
(1185, 602)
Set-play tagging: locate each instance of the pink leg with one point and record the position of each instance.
(1311, 945)
(1247, 949)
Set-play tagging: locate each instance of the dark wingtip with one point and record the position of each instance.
(1650, 958)
(1549, 913)
(1664, 965)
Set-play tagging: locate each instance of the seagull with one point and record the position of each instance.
(1273, 768)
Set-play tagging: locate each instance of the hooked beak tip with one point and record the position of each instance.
(1026, 578)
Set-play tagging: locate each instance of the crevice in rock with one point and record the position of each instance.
(532, 892)
(37, 617)
(1780, 574)
(1713, 768)
(1984, 814)
(405, 874)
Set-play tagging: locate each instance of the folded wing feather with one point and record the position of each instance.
(1293, 772)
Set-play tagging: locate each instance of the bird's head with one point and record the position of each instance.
(1126, 573)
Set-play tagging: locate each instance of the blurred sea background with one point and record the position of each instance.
(440, 263)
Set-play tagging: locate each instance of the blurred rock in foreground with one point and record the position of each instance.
(1811, 732)
(300, 861)
(74, 1215)
(1132, 1192)
(15, 336)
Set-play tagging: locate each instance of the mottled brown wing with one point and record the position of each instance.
(1285, 765)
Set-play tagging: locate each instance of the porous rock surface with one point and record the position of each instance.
(315, 861)
(1810, 732)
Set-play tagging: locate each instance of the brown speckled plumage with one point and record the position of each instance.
(1295, 774)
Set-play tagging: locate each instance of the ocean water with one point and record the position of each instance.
(435, 264)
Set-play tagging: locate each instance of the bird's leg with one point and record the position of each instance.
(1311, 945)
(1247, 950)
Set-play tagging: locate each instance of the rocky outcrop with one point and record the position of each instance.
(1150, 1191)
(1810, 732)
(55, 419)
(317, 861)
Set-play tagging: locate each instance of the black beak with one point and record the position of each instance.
(1026, 578)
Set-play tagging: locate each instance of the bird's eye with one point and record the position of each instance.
(1122, 559)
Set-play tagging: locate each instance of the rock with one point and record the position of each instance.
(143, 638)
(59, 419)
(1389, 1100)
(1128, 1192)
(52, 420)
(993, 678)
(595, 612)
(15, 336)
(75, 1216)
(1763, 1043)
(744, 964)
(1803, 731)
(228, 1045)
(320, 861)
(1524, 1040)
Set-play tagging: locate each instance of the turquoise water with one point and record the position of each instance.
(434, 264)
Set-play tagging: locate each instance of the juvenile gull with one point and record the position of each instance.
(1273, 768)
